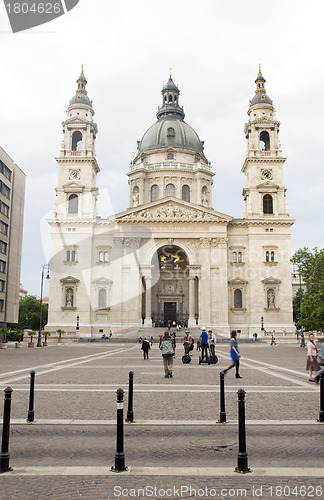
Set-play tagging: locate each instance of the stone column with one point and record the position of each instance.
(191, 320)
(148, 302)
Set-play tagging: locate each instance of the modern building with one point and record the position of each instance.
(12, 199)
(170, 256)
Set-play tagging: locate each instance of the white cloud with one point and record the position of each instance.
(127, 47)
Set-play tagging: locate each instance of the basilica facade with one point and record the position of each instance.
(170, 256)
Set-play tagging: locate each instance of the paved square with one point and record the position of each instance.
(175, 448)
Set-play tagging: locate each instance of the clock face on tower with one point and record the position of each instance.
(74, 174)
(266, 174)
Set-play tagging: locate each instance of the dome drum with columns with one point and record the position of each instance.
(170, 256)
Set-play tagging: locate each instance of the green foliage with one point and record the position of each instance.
(60, 332)
(311, 267)
(3, 335)
(29, 307)
(15, 336)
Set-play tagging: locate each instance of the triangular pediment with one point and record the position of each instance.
(268, 185)
(171, 210)
(75, 120)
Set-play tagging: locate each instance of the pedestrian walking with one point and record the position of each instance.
(151, 341)
(273, 340)
(167, 348)
(312, 363)
(235, 355)
(146, 347)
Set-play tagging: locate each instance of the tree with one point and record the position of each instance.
(29, 313)
(311, 268)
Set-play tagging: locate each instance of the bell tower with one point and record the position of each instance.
(264, 192)
(76, 193)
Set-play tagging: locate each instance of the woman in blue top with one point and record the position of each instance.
(235, 355)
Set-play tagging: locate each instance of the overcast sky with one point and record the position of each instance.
(127, 47)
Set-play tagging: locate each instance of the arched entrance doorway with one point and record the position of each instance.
(170, 295)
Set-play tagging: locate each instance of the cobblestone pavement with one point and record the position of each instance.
(175, 424)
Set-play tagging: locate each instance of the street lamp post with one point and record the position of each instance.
(39, 340)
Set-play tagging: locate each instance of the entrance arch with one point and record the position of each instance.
(170, 294)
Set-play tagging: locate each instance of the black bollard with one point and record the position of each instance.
(321, 413)
(242, 460)
(31, 411)
(130, 413)
(120, 455)
(222, 414)
(4, 455)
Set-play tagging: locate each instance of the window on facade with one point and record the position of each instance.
(186, 193)
(73, 204)
(3, 247)
(1, 305)
(234, 260)
(2, 266)
(2, 285)
(170, 156)
(154, 192)
(267, 256)
(267, 204)
(239, 257)
(103, 256)
(5, 190)
(4, 209)
(3, 228)
(272, 255)
(5, 170)
(264, 141)
(170, 190)
(102, 298)
(238, 299)
(171, 132)
(76, 141)
(70, 256)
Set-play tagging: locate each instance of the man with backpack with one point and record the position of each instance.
(167, 345)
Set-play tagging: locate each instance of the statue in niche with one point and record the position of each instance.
(135, 199)
(204, 199)
(69, 297)
(271, 298)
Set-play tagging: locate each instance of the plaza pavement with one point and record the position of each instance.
(175, 448)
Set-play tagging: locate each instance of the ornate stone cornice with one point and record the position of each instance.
(171, 213)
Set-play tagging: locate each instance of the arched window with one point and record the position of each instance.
(264, 141)
(238, 299)
(154, 192)
(267, 204)
(171, 132)
(102, 298)
(272, 256)
(267, 256)
(73, 204)
(76, 141)
(170, 190)
(186, 192)
(234, 257)
(239, 257)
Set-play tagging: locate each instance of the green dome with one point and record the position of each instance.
(80, 98)
(170, 132)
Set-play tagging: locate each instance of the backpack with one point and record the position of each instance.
(167, 347)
